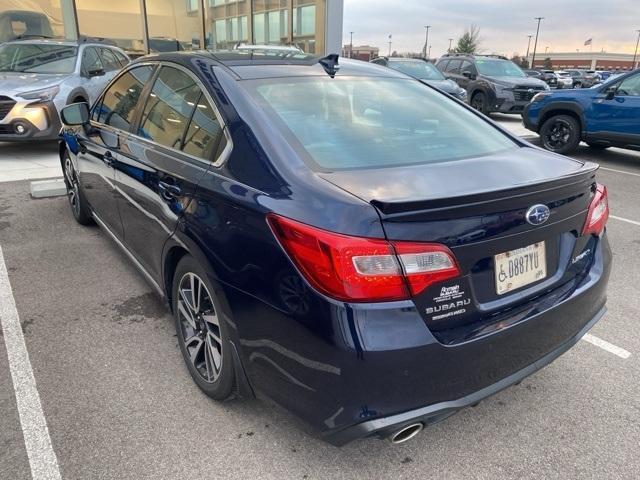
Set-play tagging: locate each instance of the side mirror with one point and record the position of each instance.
(75, 114)
(98, 72)
(610, 93)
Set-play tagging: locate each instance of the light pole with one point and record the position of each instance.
(535, 45)
(546, 49)
(529, 45)
(426, 40)
(429, 56)
(351, 45)
(389, 44)
(450, 40)
(634, 64)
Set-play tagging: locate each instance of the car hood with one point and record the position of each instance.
(448, 86)
(513, 168)
(513, 81)
(13, 83)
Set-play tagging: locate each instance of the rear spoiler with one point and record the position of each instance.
(480, 203)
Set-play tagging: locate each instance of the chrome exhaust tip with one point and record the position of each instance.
(406, 433)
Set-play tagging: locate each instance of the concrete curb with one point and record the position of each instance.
(54, 187)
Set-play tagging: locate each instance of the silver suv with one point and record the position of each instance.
(40, 76)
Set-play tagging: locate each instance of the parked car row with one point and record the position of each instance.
(38, 77)
(570, 78)
(351, 242)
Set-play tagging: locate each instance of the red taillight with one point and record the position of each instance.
(362, 269)
(598, 212)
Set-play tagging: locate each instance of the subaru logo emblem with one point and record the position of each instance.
(538, 214)
(530, 90)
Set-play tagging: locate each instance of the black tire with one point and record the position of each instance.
(203, 335)
(598, 146)
(77, 202)
(561, 134)
(480, 102)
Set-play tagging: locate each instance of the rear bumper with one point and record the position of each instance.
(385, 427)
(356, 370)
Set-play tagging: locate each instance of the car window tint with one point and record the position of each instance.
(442, 66)
(171, 102)
(91, 61)
(204, 132)
(467, 66)
(120, 100)
(454, 66)
(351, 123)
(124, 61)
(109, 60)
(630, 86)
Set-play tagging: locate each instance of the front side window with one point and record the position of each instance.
(91, 61)
(355, 123)
(109, 60)
(120, 100)
(37, 58)
(630, 86)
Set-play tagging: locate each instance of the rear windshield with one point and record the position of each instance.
(355, 123)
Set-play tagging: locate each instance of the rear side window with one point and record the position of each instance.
(359, 123)
(124, 61)
(109, 60)
(442, 66)
(178, 115)
(120, 100)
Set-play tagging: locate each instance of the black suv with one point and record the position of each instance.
(493, 83)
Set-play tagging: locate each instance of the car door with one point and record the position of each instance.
(468, 73)
(452, 72)
(163, 159)
(99, 145)
(616, 119)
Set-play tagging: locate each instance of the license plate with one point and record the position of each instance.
(520, 267)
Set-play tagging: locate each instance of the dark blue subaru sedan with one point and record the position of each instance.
(361, 248)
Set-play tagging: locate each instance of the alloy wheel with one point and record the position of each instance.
(200, 327)
(478, 102)
(558, 135)
(72, 187)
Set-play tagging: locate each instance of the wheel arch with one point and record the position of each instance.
(563, 108)
(76, 93)
(178, 246)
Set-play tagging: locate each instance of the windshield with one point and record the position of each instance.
(419, 69)
(37, 58)
(498, 68)
(357, 123)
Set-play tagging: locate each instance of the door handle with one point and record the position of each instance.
(107, 158)
(169, 191)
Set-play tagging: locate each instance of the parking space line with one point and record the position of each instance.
(632, 222)
(42, 459)
(620, 171)
(609, 347)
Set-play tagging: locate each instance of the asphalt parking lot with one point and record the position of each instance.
(119, 404)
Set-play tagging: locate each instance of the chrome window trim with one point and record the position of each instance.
(217, 162)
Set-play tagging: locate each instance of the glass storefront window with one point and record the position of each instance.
(36, 17)
(271, 22)
(173, 25)
(117, 20)
(226, 23)
(308, 25)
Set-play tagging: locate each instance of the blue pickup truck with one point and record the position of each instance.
(606, 115)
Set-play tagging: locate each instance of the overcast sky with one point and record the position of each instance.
(504, 24)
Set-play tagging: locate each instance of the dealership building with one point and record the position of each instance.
(166, 25)
(586, 60)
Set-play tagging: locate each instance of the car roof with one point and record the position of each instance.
(61, 42)
(246, 64)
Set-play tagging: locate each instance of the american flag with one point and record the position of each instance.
(588, 42)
